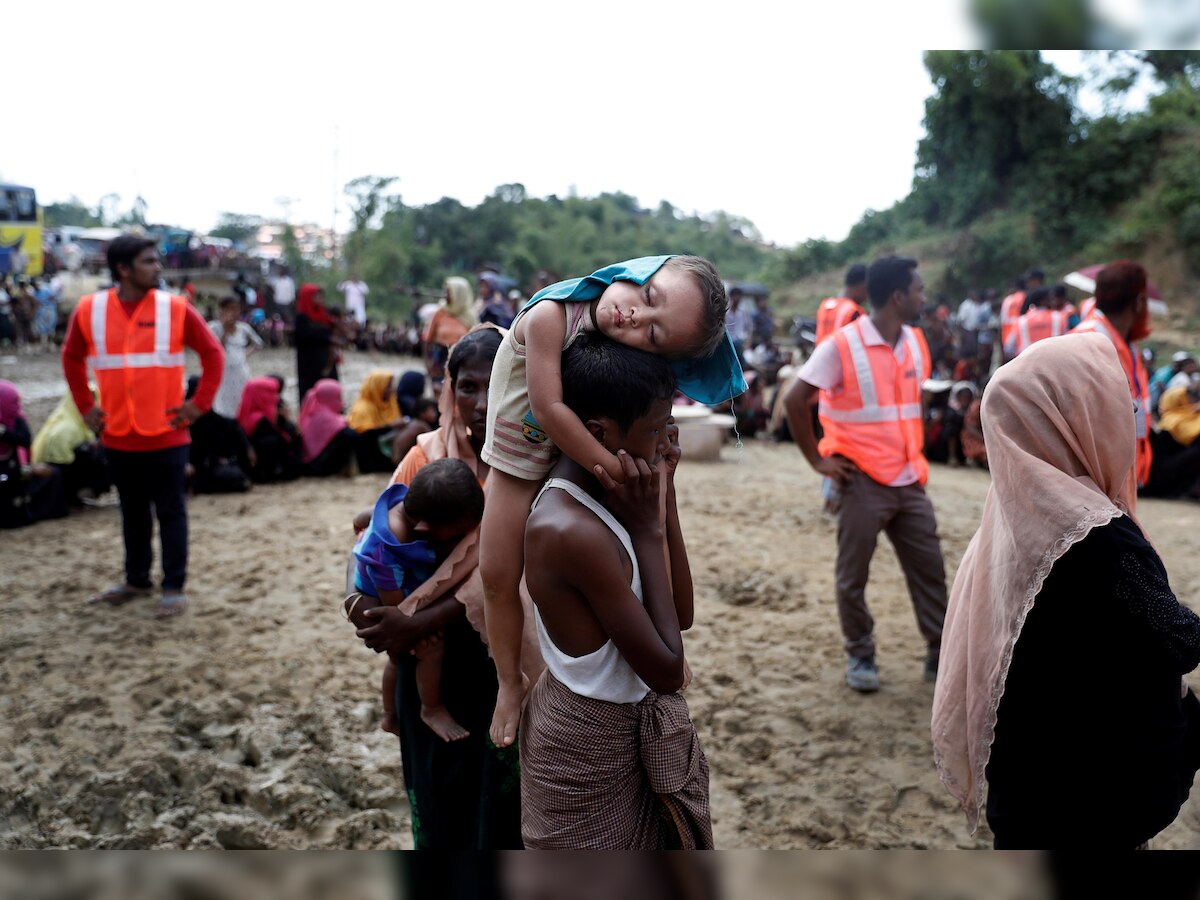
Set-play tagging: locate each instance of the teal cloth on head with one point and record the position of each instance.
(710, 381)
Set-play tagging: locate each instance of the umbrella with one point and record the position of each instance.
(1085, 280)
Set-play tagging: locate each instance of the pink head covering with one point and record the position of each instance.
(260, 400)
(1059, 428)
(10, 404)
(10, 411)
(320, 417)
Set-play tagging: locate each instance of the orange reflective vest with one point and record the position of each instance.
(1010, 313)
(1139, 388)
(138, 359)
(835, 313)
(1039, 324)
(1087, 307)
(875, 418)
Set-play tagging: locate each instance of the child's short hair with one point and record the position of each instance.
(228, 300)
(444, 492)
(712, 314)
(423, 404)
(603, 378)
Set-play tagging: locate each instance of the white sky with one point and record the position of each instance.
(798, 120)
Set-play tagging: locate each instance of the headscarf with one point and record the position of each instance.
(1059, 427)
(957, 388)
(63, 432)
(1177, 418)
(717, 379)
(376, 404)
(10, 404)
(260, 400)
(409, 389)
(320, 417)
(308, 305)
(10, 411)
(460, 302)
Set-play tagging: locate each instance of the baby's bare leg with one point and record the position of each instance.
(429, 689)
(390, 723)
(501, 562)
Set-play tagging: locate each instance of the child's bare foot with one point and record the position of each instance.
(390, 724)
(507, 716)
(439, 719)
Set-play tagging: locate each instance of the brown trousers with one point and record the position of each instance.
(906, 515)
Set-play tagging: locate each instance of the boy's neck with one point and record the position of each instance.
(569, 470)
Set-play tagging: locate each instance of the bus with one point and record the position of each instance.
(20, 226)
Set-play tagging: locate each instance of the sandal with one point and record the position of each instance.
(171, 605)
(118, 596)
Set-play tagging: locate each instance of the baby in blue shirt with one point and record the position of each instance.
(412, 529)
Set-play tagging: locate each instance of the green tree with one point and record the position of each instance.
(237, 227)
(993, 120)
(70, 212)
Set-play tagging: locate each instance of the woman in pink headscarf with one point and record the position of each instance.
(1059, 701)
(327, 441)
(28, 494)
(276, 445)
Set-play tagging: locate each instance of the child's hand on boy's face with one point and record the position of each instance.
(635, 502)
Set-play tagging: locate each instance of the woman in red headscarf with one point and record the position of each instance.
(275, 441)
(317, 339)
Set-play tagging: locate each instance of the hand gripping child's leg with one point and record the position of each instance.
(501, 563)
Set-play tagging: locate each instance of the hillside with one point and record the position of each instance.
(1011, 174)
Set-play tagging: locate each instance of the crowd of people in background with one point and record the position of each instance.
(252, 434)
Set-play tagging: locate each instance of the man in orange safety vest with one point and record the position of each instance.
(133, 337)
(869, 378)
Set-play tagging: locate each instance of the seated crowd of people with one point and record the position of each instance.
(63, 466)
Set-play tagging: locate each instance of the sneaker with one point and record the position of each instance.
(929, 673)
(862, 675)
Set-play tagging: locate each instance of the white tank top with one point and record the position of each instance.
(602, 674)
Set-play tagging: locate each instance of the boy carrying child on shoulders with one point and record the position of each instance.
(610, 758)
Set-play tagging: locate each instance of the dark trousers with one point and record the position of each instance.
(336, 455)
(906, 515)
(145, 479)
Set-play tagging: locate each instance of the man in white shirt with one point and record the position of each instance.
(881, 487)
(285, 294)
(355, 290)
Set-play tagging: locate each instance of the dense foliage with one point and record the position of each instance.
(1013, 174)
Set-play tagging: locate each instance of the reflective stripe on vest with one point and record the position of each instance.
(1139, 387)
(1058, 324)
(871, 411)
(161, 357)
(876, 422)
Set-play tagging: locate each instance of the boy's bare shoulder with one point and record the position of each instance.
(560, 525)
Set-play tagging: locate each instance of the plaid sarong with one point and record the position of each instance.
(599, 775)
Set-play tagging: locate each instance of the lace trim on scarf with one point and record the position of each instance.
(983, 750)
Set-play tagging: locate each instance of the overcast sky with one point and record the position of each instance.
(797, 120)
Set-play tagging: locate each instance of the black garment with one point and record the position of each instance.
(25, 499)
(367, 451)
(1174, 468)
(314, 343)
(276, 450)
(155, 478)
(88, 470)
(1094, 748)
(466, 794)
(220, 455)
(336, 455)
(939, 434)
